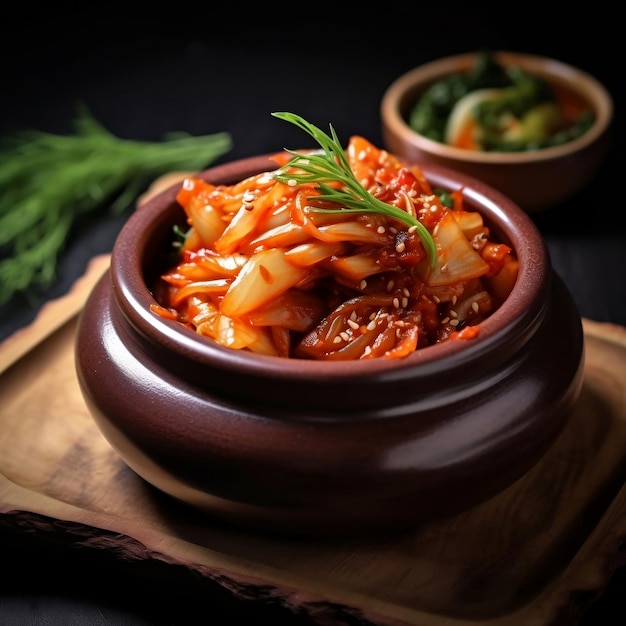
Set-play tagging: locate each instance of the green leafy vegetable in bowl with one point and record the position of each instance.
(493, 108)
(48, 181)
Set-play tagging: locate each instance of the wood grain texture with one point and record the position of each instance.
(540, 551)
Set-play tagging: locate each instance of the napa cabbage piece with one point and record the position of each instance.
(265, 276)
(456, 260)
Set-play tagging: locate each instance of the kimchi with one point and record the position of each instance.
(271, 266)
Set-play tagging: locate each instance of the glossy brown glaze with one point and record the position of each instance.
(535, 180)
(329, 447)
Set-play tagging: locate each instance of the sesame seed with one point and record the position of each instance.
(353, 325)
(454, 322)
(405, 303)
(353, 315)
(475, 306)
(436, 229)
(412, 229)
(406, 292)
(380, 230)
(337, 339)
(444, 268)
(436, 299)
(400, 247)
(363, 284)
(389, 286)
(393, 231)
(373, 316)
(396, 303)
(454, 299)
(453, 313)
(371, 325)
(344, 335)
(292, 182)
(445, 320)
(367, 350)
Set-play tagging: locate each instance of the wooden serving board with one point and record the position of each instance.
(524, 558)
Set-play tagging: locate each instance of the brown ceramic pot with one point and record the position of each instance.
(329, 447)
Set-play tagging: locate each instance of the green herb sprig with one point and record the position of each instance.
(331, 165)
(47, 181)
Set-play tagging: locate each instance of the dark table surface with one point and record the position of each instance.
(203, 70)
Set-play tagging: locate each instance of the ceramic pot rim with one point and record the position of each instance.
(513, 320)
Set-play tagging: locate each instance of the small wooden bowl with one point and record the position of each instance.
(536, 180)
(329, 448)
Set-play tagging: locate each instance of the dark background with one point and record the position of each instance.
(146, 71)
